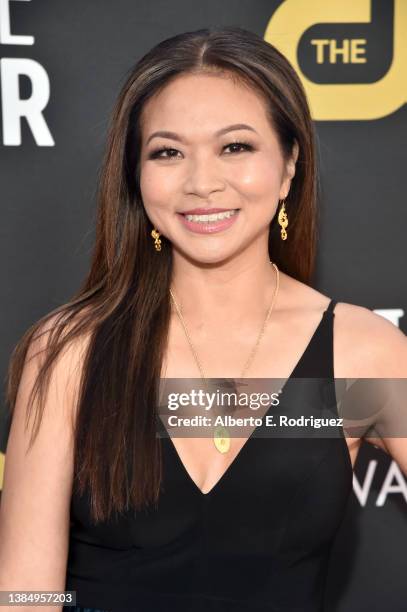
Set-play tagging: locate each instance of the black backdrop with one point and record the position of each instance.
(68, 62)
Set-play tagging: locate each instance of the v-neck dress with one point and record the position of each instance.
(259, 540)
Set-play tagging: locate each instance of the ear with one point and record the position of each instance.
(292, 160)
(289, 171)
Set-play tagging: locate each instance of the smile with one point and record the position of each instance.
(209, 224)
(212, 217)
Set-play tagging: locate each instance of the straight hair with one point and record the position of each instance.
(124, 303)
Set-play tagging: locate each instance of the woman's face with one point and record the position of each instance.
(205, 161)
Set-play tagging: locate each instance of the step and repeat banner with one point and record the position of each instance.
(62, 65)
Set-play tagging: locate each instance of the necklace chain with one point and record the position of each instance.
(222, 437)
(261, 334)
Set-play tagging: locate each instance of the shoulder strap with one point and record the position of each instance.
(317, 359)
(331, 306)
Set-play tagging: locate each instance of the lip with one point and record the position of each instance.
(212, 227)
(205, 211)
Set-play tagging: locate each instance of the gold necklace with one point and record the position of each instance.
(221, 436)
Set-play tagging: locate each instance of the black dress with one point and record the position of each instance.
(258, 541)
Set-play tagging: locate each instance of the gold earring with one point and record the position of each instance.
(157, 242)
(283, 221)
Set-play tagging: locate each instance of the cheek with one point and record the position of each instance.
(156, 187)
(258, 179)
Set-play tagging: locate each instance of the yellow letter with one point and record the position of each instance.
(334, 51)
(320, 43)
(355, 51)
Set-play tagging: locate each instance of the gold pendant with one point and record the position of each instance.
(221, 439)
(283, 222)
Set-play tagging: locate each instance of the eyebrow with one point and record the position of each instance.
(175, 136)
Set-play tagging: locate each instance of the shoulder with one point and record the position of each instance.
(56, 354)
(368, 345)
(75, 331)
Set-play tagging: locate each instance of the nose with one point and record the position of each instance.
(203, 175)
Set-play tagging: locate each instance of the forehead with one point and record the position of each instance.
(198, 101)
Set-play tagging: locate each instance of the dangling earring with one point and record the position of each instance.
(283, 221)
(157, 242)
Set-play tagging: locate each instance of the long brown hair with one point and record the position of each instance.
(124, 303)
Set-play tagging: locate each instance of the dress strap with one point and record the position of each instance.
(331, 306)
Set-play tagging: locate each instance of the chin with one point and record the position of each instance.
(204, 259)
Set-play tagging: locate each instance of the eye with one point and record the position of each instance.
(245, 145)
(157, 153)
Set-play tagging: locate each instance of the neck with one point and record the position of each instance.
(234, 290)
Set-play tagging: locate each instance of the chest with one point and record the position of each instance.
(309, 351)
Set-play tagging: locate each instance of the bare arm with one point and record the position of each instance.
(34, 510)
(375, 348)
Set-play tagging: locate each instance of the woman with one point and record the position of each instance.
(203, 262)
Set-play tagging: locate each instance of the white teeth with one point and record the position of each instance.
(213, 217)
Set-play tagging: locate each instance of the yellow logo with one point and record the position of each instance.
(342, 100)
(2, 461)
